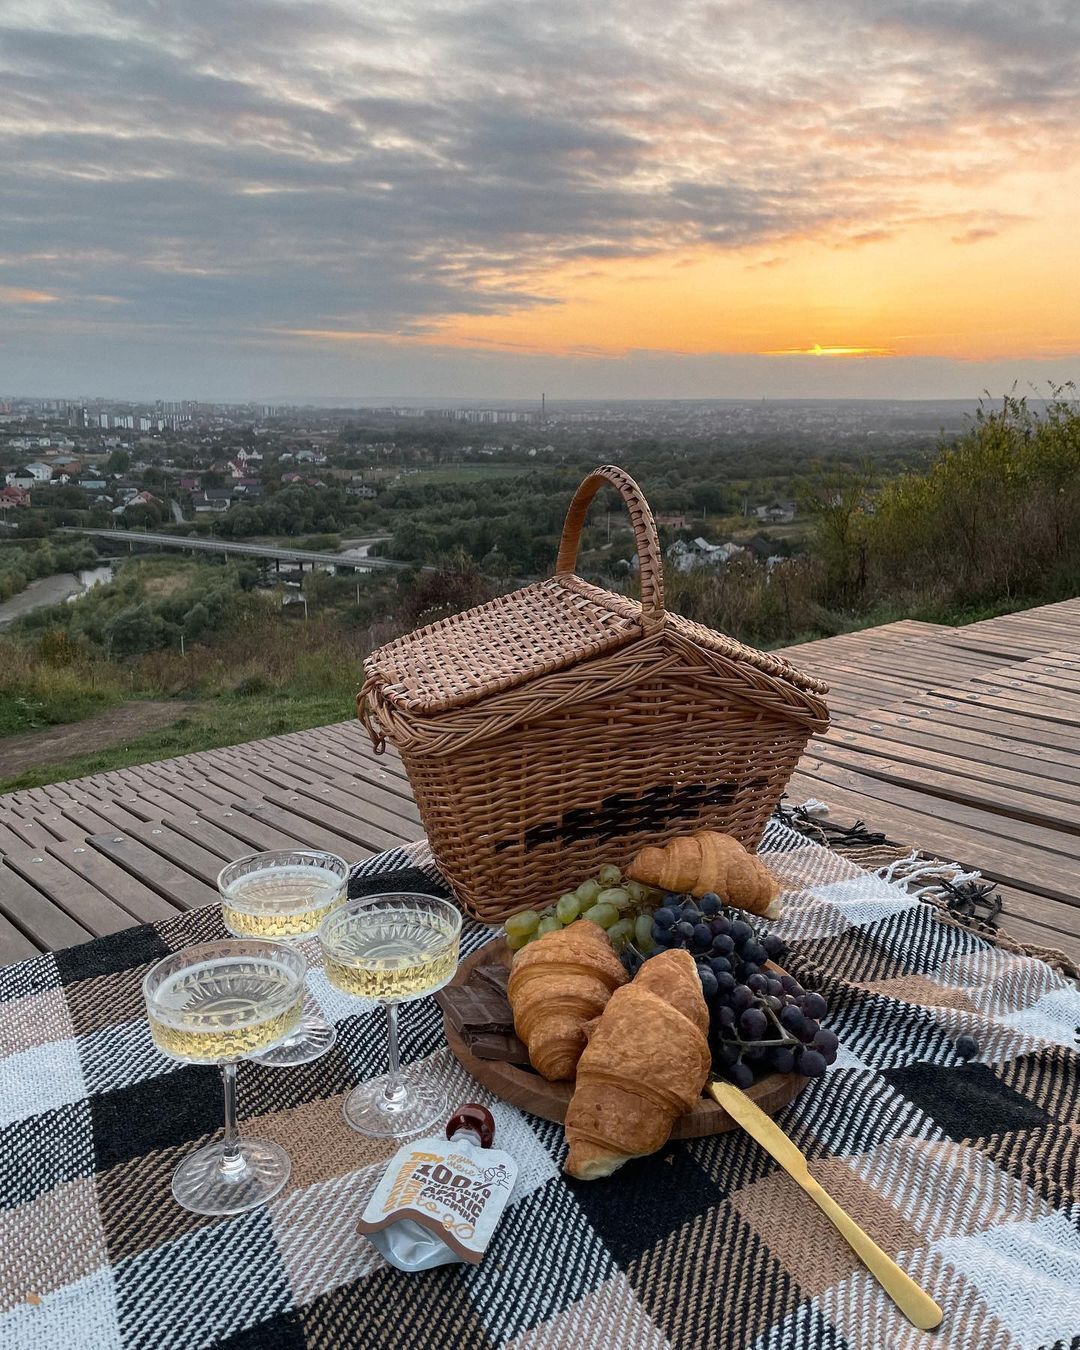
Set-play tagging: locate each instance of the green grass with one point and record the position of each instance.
(228, 721)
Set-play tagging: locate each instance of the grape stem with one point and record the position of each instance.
(724, 1040)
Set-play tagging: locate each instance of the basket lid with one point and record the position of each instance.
(535, 631)
(501, 645)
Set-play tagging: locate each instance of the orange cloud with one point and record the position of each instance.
(23, 295)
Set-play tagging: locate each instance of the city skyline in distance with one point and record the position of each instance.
(272, 202)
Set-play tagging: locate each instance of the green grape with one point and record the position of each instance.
(620, 933)
(515, 941)
(588, 891)
(567, 908)
(604, 915)
(548, 924)
(615, 895)
(641, 894)
(609, 875)
(523, 924)
(645, 945)
(643, 930)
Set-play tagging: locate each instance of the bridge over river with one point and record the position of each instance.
(296, 557)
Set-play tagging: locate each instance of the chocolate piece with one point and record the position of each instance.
(475, 1008)
(491, 1045)
(494, 975)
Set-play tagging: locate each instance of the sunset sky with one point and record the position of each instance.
(656, 198)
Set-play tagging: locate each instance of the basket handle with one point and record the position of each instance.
(645, 537)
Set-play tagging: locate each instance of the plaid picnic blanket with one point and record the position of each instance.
(968, 1173)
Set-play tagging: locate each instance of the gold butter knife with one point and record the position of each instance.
(915, 1303)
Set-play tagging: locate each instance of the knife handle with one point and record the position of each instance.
(915, 1303)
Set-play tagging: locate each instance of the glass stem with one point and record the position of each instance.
(395, 1087)
(231, 1160)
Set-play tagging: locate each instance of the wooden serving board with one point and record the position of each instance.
(527, 1090)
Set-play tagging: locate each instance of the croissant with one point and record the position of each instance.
(708, 861)
(646, 1063)
(558, 983)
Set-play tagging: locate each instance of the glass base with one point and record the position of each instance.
(312, 1038)
(206, 1184)
(421, 1104)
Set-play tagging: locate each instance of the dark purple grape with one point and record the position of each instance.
(690, 912)
(792, 1019)
(702, 936)
(721, 927)
(741, 998)
(742, 1075)
(710, 902)
(720, 965)
(749, 968)
(812, 1063)
(790, 983)
(684, 930)
(663, 937)
(757, 983)
(725, 981)
(664, 917)
(774, 946)
(774, 1003)
(722, 944)
(727, 1055)
(775, 987)
(754, 1053)
(725, 1016)
(967, 1047)
(753, 1024)
(813, 1005)
(825, 1039)
(754, 951)
(741, 932)
(809, 1030)
(783, 1059)
(708, 981)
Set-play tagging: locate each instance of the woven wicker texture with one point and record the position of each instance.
(564, 726)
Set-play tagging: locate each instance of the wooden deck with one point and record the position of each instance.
(960, 741)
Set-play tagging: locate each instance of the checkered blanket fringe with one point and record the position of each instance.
(969, 1174)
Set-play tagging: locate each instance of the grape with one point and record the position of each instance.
(740, 997)
(813, 1005)
(639, 892)
(783, 1059)
(725, 1016)
(775, 987)
(728, 1056)
(812, 1063)
(753, 1024)
(710, 902)
(721, 926)
(741, 932)
(587, 892)
(826, 1040)
(690, 912)
(757, 983)
(725, 981)
(719, 963)
(809, 1031)
(774, 1003)
(523, 924)
(567, 908)
(750, 969)
(548, 924)
(792, 1020)
(603, 915)
(703, 935)
(666, 918)
(754, 951)
(618, 896)
(620, 933)
(774, 946)
(742, 1075)
(967, 1047)
(609, 875)
(754, 1053)
(791, 984)
(708, 981)
(663, 937)
(684, 930)
(723, 945)
(643, 928)
(515, 941)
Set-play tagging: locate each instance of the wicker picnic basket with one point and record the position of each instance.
(563, 726)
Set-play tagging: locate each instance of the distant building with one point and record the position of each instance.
(21, 478)
(673, 519)
(92, 484)
(213, 501)
(685, 556)
(137, 499)
(358, 488)
(41, 473)
(190, 483)
(292, 477)
(776, 513)
(12, 497)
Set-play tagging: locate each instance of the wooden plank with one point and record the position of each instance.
(14, 944)
(357, 806)
(254, 836)
(143, 904)
(70, 892)
(183, 852)
(36, 916)
(161, 875)
(313, 833)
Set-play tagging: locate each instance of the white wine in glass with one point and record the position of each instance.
(285, 895)
(218, 1003)
(393, 948)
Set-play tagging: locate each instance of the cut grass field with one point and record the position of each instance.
(225, 721)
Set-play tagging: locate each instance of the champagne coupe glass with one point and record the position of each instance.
(393, 948)
(285, 894)
(219, 1003)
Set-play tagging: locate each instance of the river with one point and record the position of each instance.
(52, 590)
